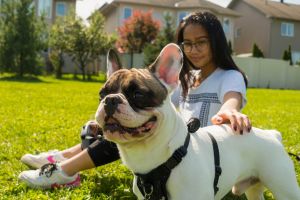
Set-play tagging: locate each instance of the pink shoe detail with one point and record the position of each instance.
(74, 183)
(51, 159)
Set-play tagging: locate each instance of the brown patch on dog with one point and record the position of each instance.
(140, 87)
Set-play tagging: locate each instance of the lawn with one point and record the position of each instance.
(37, 115)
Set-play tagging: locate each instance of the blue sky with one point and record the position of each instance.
(86, 7)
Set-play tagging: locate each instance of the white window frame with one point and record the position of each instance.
(226, 26)
(178, 15)
(65, 7)
(124, 10)
(287, 29)
(42, 10)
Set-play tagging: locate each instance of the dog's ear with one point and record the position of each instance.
(113, 62)
(167, 65)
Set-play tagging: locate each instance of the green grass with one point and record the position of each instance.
(41, 114)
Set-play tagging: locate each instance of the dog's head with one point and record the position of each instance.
(132, 101)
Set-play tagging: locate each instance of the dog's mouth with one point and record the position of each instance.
(113, 125)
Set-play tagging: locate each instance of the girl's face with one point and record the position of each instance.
(197, 47)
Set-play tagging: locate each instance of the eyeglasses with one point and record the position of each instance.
(199, 45)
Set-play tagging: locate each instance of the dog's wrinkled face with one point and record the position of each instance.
(128, 104)
(130, 100)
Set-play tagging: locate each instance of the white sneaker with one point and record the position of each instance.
(49, 176)
(36, 161)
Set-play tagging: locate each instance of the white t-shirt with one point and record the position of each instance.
(204, 101)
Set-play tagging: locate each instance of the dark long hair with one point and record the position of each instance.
(219, 47)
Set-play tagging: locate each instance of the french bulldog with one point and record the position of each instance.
(137, 114)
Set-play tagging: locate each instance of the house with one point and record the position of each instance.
(52, 9)
(119, 10)
(273, 26)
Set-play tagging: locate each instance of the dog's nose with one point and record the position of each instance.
(111, 104)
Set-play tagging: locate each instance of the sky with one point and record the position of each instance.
(85, 7)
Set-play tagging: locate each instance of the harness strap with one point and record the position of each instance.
(153, 184)
(218, 169)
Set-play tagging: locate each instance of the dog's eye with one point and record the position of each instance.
(102, 95)
(138, 95)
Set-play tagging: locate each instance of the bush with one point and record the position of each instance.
(287, 55)
(256, 52)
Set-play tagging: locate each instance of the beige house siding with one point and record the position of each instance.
(260, 23)
(114, 15)
(254, 28)
(280, 43)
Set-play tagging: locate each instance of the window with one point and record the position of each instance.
(226, 26)
(127, 12)
(181, 15)
(296, 57)
(61, 9)
(238, 32)
(45, 8)
(287, 29)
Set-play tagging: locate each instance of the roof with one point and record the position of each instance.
(174, 4)
(273, 9)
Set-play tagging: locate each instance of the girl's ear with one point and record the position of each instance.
(167, 65)
(113, 62)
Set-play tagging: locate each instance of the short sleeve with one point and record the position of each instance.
(233, 81)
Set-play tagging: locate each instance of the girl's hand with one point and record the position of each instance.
(240, 123)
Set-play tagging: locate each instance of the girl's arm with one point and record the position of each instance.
(229, 113)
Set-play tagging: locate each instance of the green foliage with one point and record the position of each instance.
(46, 113)
(165, 37)
(287, 55)
(57, 61)
(22, 37)
(58, 44)
(256, 52)
(82, 42)
(137, 31)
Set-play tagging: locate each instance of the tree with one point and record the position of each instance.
(136, 32)
(287, 55)
(165, 37)
(23, 37)
(256, 52)
(86, 42)
(58, 45)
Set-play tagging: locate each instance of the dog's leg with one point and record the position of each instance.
(255, 192)
(280, 178)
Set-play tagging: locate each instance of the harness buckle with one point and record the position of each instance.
(148, 192)
(218, 170)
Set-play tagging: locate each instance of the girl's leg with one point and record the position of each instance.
(65, 174)
(37, 160)
(77, 163)
(99, 153)
(72, 151)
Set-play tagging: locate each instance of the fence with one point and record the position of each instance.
(261, 72)
(270, 73)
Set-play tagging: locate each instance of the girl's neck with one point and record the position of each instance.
(204, 73)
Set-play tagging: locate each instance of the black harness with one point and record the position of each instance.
(153, 184)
